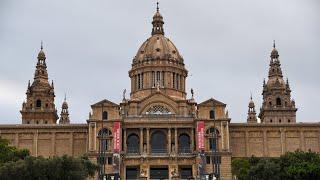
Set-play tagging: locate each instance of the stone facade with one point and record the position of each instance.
(159, 123)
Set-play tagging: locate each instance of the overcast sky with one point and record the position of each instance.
(226, 46)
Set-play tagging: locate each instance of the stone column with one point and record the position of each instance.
(148, 140)
(302, 142)
(228, 137)
(265, 144)
(222, 136)
(16, 140)
(53, 144)
(125, 140)
(176, 139)
(247, 143)
(141, 140)
(283, 141)
(35, 143)
(192, 140)
(71, 143)
(169, 140)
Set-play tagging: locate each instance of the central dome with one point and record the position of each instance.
(158, 66)
(158, 47)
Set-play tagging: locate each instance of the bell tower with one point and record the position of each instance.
(64, 116)
(277, 106)
(252, 118)
(39, 107)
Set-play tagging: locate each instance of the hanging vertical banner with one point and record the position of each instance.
(200, 134)
(116, 137)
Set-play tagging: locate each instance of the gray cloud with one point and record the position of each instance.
(225, 44)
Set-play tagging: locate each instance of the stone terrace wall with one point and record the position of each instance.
(48, 140)
(272, 140)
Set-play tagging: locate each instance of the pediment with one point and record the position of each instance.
(156, 102)
(105, 103)
(211, 102)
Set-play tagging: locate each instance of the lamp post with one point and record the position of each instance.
(102, 150)
(215, 156)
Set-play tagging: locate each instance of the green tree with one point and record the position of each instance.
(265, 169)
(240, 167)
(11, 153)
(300, 165)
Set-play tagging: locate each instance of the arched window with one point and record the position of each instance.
(158, 142)
(213, 135)
(133, 144)
(104, 115)
(278, 102)
(158, 110)
(104, 140)
(212, 114)
(184, 144)
(38, 103)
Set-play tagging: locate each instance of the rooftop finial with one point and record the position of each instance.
(274, 43)
(250, 95)
(65, 96)
(157, 6)
(41, 45)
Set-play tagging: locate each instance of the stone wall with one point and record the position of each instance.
(48, 140)
(272, 140)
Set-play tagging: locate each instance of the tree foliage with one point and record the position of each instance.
(19, 165)
(292, 166)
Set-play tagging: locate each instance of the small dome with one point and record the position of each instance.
(41, 55)
(251, 104)
(274, 53)
(64, 105)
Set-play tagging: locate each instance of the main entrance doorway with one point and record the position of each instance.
(132, 173)
(186, 172)
(159, 173)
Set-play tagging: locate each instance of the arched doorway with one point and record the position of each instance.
(213, 142)
(133, 143)
(184, 144)
(104, 139)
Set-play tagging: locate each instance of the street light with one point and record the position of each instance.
(215, 156)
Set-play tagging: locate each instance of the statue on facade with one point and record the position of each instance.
(143, 173)
(124, 94)
(174, 173)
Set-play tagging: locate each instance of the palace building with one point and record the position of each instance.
(157, 132)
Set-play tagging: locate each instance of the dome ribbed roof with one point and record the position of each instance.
(158, 47)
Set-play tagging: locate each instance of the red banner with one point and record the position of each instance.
(200, 135)
(116, 137)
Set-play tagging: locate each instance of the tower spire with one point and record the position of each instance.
(157, 6)
(274, 43)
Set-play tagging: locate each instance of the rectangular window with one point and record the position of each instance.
(153, 79)
(139, 81)
(177, 83)
(173, 80)
(109, 160)
(158, 77)
(162, 79)
(208, 159)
